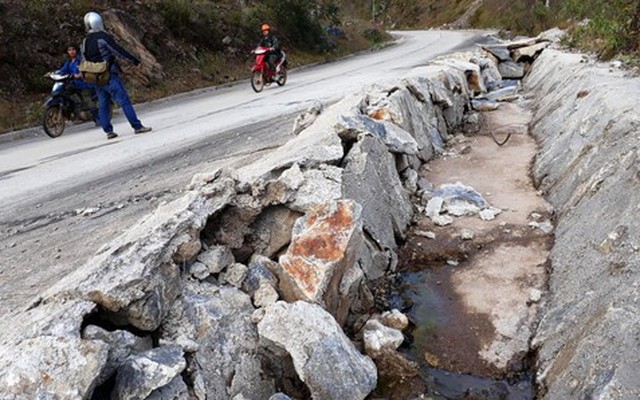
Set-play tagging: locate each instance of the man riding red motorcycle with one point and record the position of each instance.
(270, 41)
(270, 63)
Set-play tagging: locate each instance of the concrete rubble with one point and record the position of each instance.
(311, 223)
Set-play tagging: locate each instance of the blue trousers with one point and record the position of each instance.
(115, 90)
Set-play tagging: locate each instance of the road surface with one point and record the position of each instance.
(62, 199)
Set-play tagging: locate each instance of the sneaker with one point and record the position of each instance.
(112, 135)
(143, 129)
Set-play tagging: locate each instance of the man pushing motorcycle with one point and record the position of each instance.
(270, 40)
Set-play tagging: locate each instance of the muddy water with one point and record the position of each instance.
(474, 303)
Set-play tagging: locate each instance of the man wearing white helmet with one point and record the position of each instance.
(100, 46)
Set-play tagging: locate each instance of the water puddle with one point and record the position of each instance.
(445, 341)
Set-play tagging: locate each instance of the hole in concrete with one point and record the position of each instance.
(104, 391)
(107, 320)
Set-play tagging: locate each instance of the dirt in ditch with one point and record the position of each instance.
(473, 291)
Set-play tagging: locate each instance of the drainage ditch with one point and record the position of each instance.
(471, 284)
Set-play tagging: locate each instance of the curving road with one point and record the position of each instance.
(61, 199)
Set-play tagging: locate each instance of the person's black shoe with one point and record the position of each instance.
(143, 129)
(112, 135)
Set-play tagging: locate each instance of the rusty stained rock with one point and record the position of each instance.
(325, 243)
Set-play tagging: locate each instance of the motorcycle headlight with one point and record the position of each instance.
(57, 87)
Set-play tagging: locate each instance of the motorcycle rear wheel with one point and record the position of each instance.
(257, 81)
(283, 76)
(53, 121)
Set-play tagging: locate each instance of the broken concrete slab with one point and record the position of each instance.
(530, 53)
(369, 168)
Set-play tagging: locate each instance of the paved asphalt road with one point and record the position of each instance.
(62, 199)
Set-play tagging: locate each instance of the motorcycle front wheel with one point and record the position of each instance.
(282, 79)
(257, 81)
(53, 121)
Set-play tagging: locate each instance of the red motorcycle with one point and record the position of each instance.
(262, 75)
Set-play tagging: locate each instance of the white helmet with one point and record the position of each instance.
(93, 22)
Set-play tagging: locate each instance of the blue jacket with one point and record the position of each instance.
(100, 46)
(71, 67)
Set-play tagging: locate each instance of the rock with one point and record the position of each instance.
(397, 140)
(216, 258)
(369, 168)
(395, 319)
(459, 199)
(535, 295)
(226, 40)
(322, 354)
(219, 319)
(199, 271)
(319, 186)
(325, 243)
(472, 123)
(554, 35)
(143, 373)
(271, 232)
(393, 365)
(307, 118)
(189, 247)
(378, 337)
(265, 295)
(174, 390)
(261, 271)
(442, 220)
(434, 207)
(546, 226)
(234, 275)
(485, 105)
(467, 234)
(501, 52)
(489, 214)
(280, 396)
(427, 234)
(411, 180)
(122, 344)
(508, 93)
(529, 53)
(511, 70)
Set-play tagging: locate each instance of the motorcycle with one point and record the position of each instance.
(263, 75)
(66, 103)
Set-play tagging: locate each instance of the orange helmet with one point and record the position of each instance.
(266, 27)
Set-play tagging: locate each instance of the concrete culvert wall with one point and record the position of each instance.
(186, 303)
(588, 127)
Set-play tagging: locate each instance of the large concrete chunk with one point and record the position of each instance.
(134, 278)
(143, 373)
(323, 356)
(325, 243)
(370, 179)
(395, 138)
(42, 354)
(214, 325)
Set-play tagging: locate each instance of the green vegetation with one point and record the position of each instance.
(608, 27)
